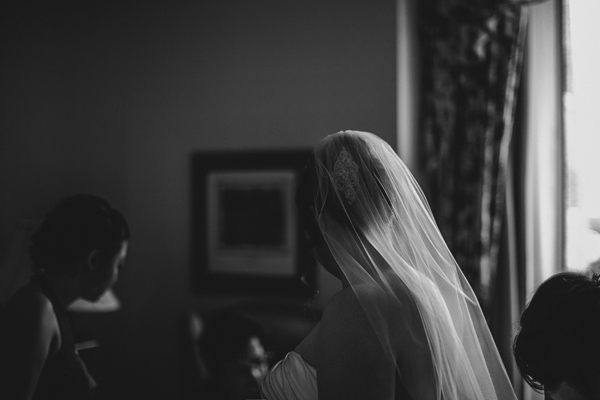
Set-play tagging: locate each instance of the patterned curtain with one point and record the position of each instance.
(471, 63)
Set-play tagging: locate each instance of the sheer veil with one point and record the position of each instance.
(378, 227)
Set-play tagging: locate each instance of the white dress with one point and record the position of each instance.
(291, 379)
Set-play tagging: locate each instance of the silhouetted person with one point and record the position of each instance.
(77, 252)
(556, 348)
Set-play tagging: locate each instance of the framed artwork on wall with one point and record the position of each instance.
(246, 239)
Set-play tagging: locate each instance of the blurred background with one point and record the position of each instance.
(115, 97)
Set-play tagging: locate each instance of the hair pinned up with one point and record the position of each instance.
(558, 336)
(78, 225)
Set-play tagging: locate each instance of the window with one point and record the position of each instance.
(582, 132)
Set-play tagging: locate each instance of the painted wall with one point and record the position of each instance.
(114, 97)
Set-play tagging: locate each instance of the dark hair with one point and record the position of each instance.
(227, 335)
(559, 332)
(78, 225)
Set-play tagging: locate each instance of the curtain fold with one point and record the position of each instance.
(509, 295)
(543, 161)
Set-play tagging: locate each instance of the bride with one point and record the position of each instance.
(406, 324)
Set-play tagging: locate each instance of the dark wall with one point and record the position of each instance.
(113, 97)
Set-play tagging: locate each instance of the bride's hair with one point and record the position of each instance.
(354, 171)
(559, 330)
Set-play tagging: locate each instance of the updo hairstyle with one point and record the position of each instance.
(78, 225)
(559, 333)
(317, 192)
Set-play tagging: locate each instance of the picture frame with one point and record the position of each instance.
(246, 238)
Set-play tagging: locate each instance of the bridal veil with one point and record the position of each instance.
(378, 227)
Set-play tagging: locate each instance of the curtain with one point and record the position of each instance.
(533, 233)
(471, 63)
(492, 158)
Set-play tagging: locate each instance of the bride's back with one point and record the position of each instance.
(406, 318)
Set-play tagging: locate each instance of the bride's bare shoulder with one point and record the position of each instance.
(360, 306)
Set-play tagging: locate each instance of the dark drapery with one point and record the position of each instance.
(471, 63)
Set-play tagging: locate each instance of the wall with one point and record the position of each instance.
(114, 97)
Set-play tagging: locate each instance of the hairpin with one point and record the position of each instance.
(345, 175)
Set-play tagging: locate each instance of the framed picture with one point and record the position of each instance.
(246, 238)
